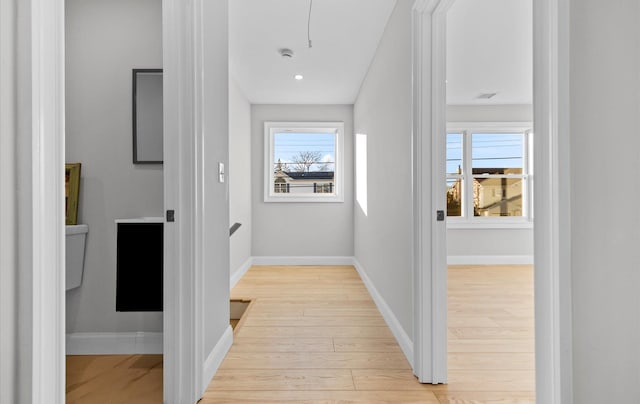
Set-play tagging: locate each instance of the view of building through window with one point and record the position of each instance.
(454, 174)
(304, 162)
(495, 164)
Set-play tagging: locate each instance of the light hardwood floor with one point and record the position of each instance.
(313, 335)
(98, 379)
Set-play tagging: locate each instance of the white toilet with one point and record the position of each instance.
(76, 236)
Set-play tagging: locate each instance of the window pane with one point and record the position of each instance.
(454, 153)
(305, 162)
(454, 197)
(491, 153)
(497, 196)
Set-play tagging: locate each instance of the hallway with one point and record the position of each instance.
(314, 334)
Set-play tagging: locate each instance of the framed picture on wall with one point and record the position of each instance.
(147, 116)
(71, 192)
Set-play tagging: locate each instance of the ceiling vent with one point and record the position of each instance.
(286, 53)
(486, 96)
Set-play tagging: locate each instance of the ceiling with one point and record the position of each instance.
(489, 49)
(344, 34)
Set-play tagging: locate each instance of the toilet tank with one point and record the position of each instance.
(76, 236)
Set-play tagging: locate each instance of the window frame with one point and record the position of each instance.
(271, 128)
(468, 220)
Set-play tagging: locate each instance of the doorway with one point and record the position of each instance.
(35, 49)
(550, 117)
(113, 128)
(550, 105)
(489, 169)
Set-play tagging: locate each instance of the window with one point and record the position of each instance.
(488, 173)
(303, 162)
(325, 188)
(281, 186)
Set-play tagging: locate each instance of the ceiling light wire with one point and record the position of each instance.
(309, 24)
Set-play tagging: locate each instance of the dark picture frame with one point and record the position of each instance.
(147, 116)
(71, 192)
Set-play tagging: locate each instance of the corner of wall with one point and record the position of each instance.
(239, 272)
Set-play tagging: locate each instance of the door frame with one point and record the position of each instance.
(430, 258)
(41, 156)
(40, 62)
(39, 53)
(552, 252)
(183, 334)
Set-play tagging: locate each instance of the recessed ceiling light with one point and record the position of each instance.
(298, 77)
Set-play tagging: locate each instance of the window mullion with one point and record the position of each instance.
(528, 197)
(468, 175)
(525, 172)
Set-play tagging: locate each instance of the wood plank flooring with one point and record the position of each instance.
(314, 335)
(99, 379)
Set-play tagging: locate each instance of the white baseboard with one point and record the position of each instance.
(490, 260)
(316, 260)
(392, 322)
(114, 343)
(216, 357)
(239, 272)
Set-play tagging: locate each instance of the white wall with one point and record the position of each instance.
(382, 111)
(215, 93)
(605, 219)
(489, 113)
(104, 41)
(489, 245)
(239, 172)
(301, 229)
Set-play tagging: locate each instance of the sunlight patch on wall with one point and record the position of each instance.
(361, 171)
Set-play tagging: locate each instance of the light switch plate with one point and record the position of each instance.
(221, 172)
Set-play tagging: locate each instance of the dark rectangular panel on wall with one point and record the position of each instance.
(139, 267)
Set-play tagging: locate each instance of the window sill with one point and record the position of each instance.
(482, 225)
(288, 198)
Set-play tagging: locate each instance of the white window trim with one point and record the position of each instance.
(270, 128)
(472, 222)
(489, 224)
